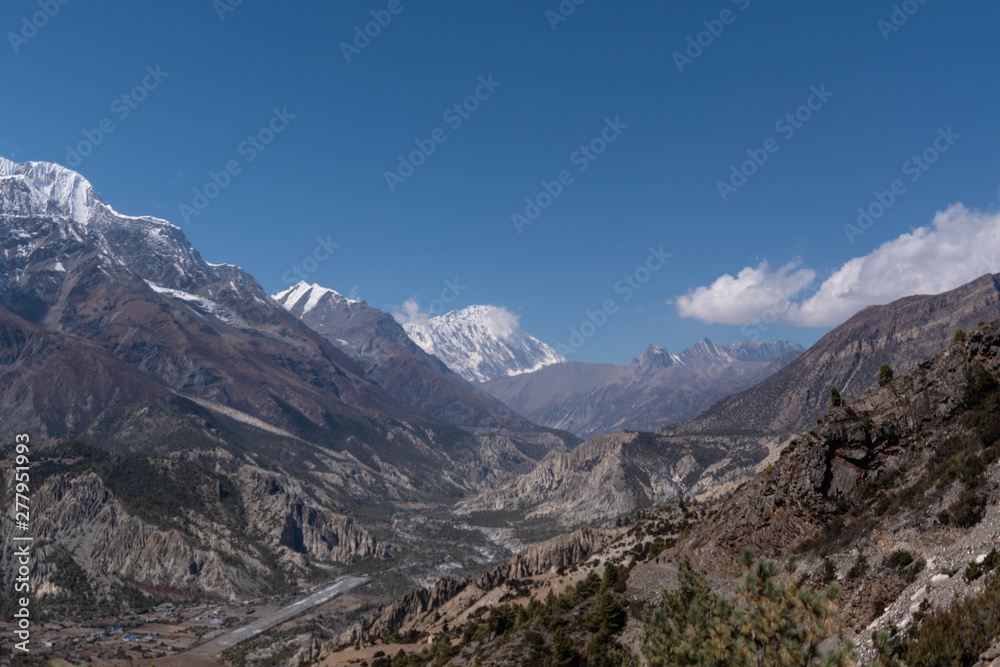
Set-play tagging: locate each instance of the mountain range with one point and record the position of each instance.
(715, 451)
(656, 389)
(195, 434)
(118, 335)
(902, 334)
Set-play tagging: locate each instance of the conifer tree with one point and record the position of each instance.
(773, 620)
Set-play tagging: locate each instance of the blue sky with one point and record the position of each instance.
(552, 91)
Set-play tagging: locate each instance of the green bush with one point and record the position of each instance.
(959, 336)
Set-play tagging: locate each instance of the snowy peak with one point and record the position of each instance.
(303, 298)
(658, 357)
(482, 343)
(54, 221)
(709, 353)
(63, 191)
(756, 351)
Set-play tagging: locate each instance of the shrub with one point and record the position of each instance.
(957, 635)
(885, 375)
(835, 400)
(959, 336)
(859, 568)
(973, 571)
(967, 510)
(656, 548)
(608, 615)
(980, 385)
(900, 559)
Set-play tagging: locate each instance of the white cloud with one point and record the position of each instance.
(959, 246)
(409, 313)
(738, 300)
(501, 321)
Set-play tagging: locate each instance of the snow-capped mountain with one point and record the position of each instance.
(51, 213)
(482, 343)
(138, 289)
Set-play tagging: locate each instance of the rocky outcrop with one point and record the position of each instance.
(891, 430)
(407, 609)
(171, 526)
(83, 517)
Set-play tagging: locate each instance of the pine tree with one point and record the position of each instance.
(959, 336)
(885, 375)
(566, 654)
(610, 575)
(608, 615)
(773, 620)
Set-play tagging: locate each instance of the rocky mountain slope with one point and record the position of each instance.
(482, 343)
(655, 389)
(901, 334)
(898, 491)
(391, 359)
(894, 497)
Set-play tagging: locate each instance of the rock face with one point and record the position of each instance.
(603, 478)
(562, 551)
(656, 389)
(122, 520)
(901, 334)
